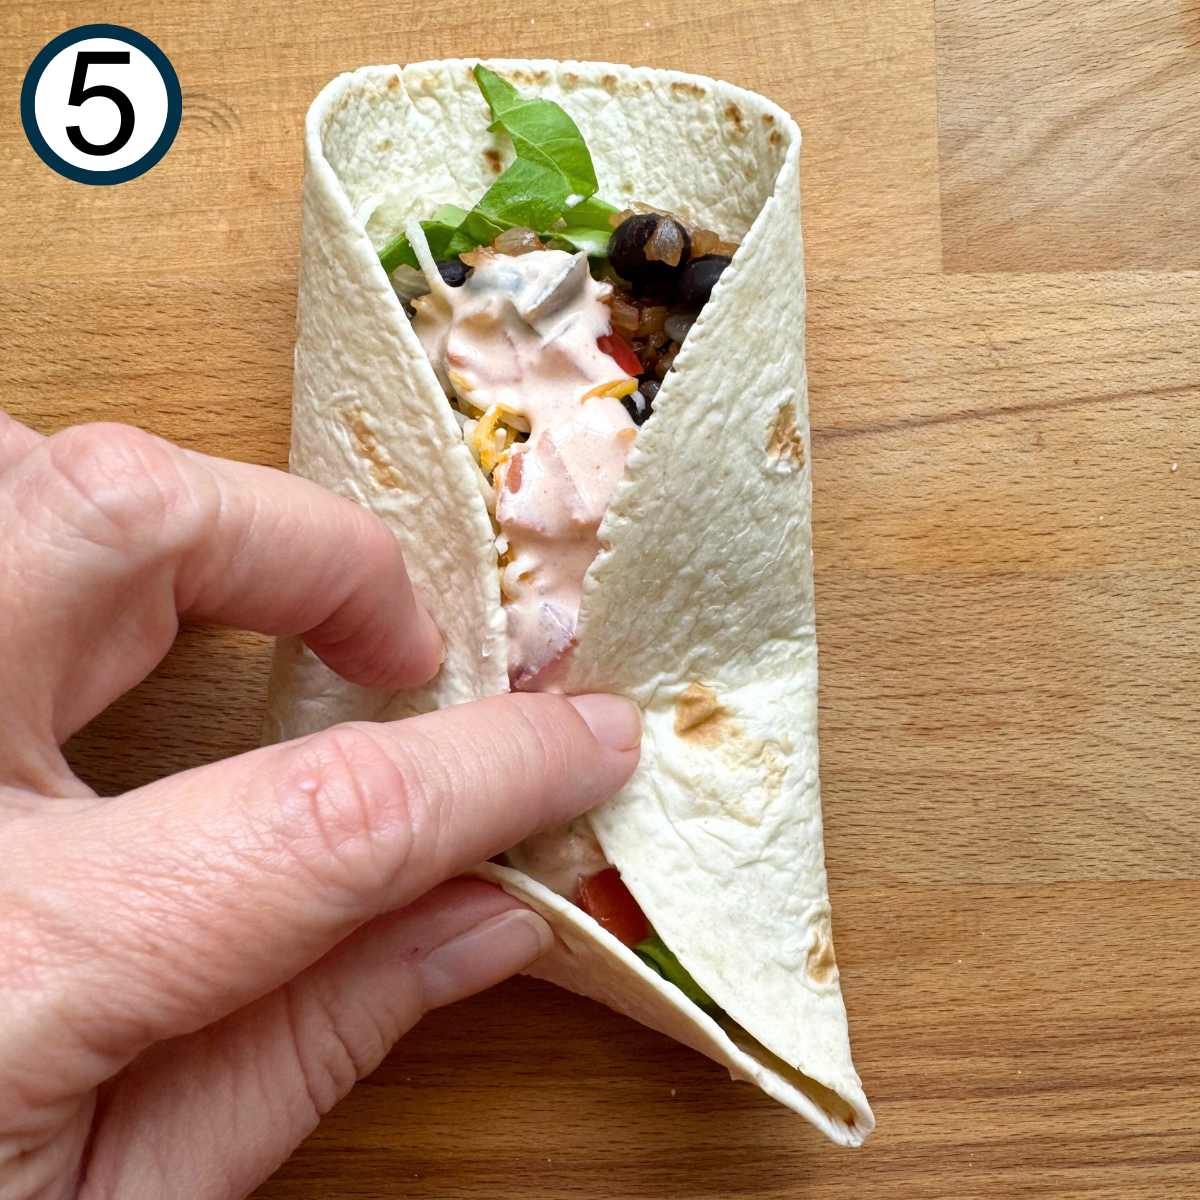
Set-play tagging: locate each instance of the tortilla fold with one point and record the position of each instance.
(700, 604)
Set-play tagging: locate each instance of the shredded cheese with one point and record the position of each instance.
(461, 385)
(491, 439)
(616, 389)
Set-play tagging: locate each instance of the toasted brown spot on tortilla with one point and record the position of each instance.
(699, 716)
(684, 87)
(785, 445)
(367, 444)
(609, 83)
(828, 1099)
(542, 76)
(493, 158)
(767, 119)
(570, 80)
(821, 962)
(765, 764)
(776, 138)
(702, 720)
(734, 115)
(393, 83)
(772, 762)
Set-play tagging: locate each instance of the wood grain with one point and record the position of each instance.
(1007, 485)
(1021, 1043)
(226, 199)
(1008, 579)
(1069, 139)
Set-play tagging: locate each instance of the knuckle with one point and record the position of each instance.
(33, 942)
(335, 1044)
(543, 737)
(366, 536)
(121, 482)
(350, 809)
(378, 541)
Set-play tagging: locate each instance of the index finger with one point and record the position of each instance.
(177, 904)
(16, 440)
(115, 533)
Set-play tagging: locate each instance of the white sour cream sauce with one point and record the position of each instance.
(521, 335)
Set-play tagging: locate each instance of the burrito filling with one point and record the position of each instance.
(551, 319)
(518, 346)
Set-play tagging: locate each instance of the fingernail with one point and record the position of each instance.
(433, 638)
(614, 721)
(440, 639)
(484, 955)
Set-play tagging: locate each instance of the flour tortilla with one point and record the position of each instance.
(700, 604)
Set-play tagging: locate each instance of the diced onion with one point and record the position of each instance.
(665, 244)
(625, 316)
(652, 319)
(517, 241)
(676, 327)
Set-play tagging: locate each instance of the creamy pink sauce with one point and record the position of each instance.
(560, 858)
(521, 334)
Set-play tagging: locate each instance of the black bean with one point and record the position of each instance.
(627, 252)
(700, 277)
(454, 271)
(635, 405)
(640, 404)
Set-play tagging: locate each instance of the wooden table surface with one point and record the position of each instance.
(1002, 214)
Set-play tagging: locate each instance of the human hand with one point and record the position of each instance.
(193, 973)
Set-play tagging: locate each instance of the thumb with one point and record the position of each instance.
(165, 910)
(214, 1113)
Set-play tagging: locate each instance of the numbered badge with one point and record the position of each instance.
(101, 104)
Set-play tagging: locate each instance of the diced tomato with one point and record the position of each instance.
(614, 345)
(606, 899)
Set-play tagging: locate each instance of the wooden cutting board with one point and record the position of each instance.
(1002, 218)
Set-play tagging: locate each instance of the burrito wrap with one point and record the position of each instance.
(699, 606)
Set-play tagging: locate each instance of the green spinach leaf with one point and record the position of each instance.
(653, 951)
(541, 132)
(550, 182)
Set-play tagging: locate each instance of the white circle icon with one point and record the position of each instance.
(101, 104)
(111, 93)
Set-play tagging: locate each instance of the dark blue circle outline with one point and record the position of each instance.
(170, 80)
